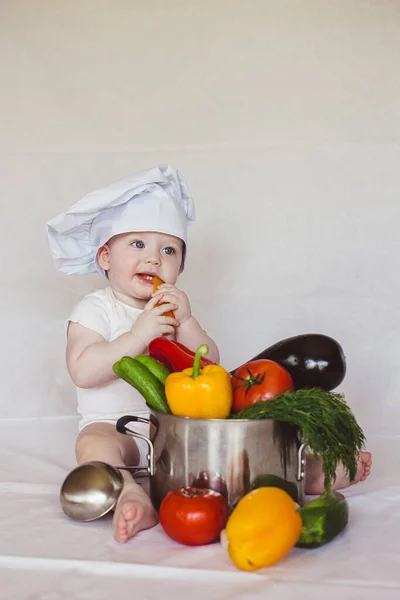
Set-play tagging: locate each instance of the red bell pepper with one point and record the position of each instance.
(174, 355)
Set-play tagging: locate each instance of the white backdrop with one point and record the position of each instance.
(284, 118)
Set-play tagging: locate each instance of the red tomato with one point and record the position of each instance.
(259, 380)
(193, 516)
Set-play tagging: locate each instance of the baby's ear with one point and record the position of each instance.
(103, 257)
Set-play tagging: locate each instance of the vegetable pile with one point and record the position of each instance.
(291, 382)
(202, 393)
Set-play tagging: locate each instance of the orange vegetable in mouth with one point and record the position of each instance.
(156, 283)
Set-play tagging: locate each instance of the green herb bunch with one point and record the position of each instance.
(329, 427)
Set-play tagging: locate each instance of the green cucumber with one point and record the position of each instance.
(323, 519)
(117, 371)
(159, 371)
(270, 480)
(139, 377)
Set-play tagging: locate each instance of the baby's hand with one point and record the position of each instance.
(152, 323)
(171, 294)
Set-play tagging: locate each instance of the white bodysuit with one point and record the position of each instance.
(102, 312)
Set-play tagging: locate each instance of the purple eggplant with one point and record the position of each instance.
(312, 359)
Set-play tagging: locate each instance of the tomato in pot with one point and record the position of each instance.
(193, 516)
(259, 380)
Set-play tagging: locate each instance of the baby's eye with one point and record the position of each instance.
(137, 244)
(169, 250)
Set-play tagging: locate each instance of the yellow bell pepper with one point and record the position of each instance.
(200, 393)
(263, 527)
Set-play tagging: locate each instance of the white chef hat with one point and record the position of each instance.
(157, 200)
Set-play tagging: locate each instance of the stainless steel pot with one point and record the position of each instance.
(227, 455)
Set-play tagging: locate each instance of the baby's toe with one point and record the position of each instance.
(129, 511)
(366, 457)
(120, 526)
(121, 534)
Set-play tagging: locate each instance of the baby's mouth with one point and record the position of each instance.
(146, 278)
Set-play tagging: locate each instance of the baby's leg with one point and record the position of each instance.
(134, 511)
(314, 483)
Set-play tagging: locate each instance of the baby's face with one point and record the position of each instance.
(132, 259)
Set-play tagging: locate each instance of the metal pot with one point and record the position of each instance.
(230, 456)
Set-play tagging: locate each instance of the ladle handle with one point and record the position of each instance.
(121, 426)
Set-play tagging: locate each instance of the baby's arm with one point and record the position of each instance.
(192, 335)
(90, 357)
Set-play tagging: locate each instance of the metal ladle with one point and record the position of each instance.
(92, 490)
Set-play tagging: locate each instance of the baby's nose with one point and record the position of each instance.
(153, 259)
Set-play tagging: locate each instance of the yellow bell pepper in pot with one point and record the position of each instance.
(200, 393)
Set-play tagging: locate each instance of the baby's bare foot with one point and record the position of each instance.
(134, 512)
(314, 483)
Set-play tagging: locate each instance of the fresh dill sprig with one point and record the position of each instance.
(328, 425)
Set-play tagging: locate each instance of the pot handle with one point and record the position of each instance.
(301, 463)
(121, 426)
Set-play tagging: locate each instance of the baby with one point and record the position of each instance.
(130, 232)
